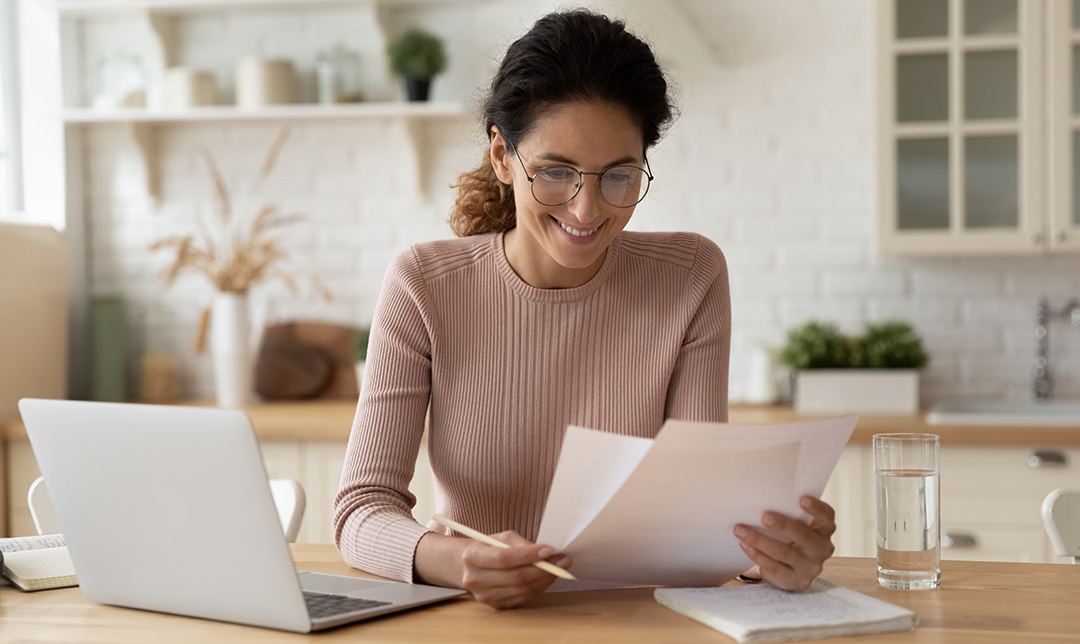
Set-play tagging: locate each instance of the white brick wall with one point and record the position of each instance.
(773, 158)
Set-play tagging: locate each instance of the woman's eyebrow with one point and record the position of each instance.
(558, 158)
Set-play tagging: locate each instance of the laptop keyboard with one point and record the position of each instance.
(320, 605)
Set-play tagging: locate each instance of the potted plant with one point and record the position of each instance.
(360, 344)
(876, 372)
(417, 56)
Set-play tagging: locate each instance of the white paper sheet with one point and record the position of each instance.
(670, 521)
(601, 462)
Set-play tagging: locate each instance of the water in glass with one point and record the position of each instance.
(908, 533)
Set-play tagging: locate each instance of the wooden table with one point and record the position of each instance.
(978, 603)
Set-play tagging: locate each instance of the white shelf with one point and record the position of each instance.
(84, 7)
(143, 125)
(272, 112)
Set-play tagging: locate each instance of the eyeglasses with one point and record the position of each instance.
(622, 186)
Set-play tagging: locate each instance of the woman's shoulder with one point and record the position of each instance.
(433, 259)
(691, 251)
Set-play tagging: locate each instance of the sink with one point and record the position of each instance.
(977, 412)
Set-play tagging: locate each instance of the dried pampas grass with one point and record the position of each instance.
(235, 260)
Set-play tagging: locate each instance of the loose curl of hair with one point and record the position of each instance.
(576, 55)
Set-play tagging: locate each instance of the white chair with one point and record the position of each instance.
(289, 500)
(1061, 516)
(41, 509)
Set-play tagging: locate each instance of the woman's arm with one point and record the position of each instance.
(374, 527)
(375, 530)
(698, 386)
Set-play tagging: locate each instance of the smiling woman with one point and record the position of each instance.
(545, 314)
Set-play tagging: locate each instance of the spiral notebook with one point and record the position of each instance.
(764, 613)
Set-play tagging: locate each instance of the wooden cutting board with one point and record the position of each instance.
(306, 360)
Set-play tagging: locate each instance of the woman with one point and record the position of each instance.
(544, 314)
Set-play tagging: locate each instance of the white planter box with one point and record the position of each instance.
(881, 391)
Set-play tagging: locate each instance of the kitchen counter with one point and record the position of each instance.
(332, 420)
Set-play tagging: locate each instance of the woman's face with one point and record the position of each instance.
(564, 246)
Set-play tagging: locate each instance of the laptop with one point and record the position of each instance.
(168, 509)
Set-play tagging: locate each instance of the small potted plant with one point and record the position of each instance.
(877, 372)
(417, 56)
(360, 344)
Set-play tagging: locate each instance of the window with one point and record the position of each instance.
(10, 135)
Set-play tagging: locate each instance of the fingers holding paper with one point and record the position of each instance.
(793, 563)
(506, 578)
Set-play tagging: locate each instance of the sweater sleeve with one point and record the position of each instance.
(699, 383)
(373, 525)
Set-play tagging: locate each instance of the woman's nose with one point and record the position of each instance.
(587, 203)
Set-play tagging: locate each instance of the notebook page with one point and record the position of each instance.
(17, 544)
(40, 564)
(764, 606)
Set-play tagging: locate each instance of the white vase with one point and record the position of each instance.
(229, 338)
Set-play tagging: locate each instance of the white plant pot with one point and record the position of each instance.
(880, 391)
(229, 338)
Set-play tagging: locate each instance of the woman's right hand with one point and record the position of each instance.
(506, 577)
(498, 577)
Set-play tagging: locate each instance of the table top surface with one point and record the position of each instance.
(331, 421)
(978, 603)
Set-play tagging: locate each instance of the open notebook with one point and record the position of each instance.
(764, 613)
(37, 563)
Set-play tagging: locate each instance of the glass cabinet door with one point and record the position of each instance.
(1064, 127)
(960, 105)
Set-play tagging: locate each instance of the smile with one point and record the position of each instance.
(575, 232)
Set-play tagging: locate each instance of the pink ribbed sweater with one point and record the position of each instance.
(506, 367)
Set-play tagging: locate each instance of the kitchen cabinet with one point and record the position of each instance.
(978, 126)
(991, 500)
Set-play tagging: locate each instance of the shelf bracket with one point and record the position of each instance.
(420, 164)
(145, 136)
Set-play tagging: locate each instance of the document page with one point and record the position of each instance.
(670, 522)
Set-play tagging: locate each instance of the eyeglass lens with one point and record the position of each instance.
(621, 186)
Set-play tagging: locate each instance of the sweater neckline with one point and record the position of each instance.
(555, 295)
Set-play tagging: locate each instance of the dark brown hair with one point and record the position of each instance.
(567, 56)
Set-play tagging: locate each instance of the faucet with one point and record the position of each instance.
(1043, 384)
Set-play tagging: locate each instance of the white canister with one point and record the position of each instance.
(761, 387)
(263, 81)
(185, 87)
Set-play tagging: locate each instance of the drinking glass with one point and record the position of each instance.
(908, 511)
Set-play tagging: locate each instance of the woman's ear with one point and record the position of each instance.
(500, 156)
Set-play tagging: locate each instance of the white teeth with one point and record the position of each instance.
(577, 233)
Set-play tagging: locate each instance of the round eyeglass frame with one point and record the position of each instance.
(581, 181)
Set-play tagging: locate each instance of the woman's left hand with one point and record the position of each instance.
(795, 563)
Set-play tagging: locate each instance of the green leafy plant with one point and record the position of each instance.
(816, 345)
(417, 54)
(890, 345)
(360, 344)
(885, 345)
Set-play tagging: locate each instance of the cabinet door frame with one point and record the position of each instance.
(1029, 237)
(1061, 126)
